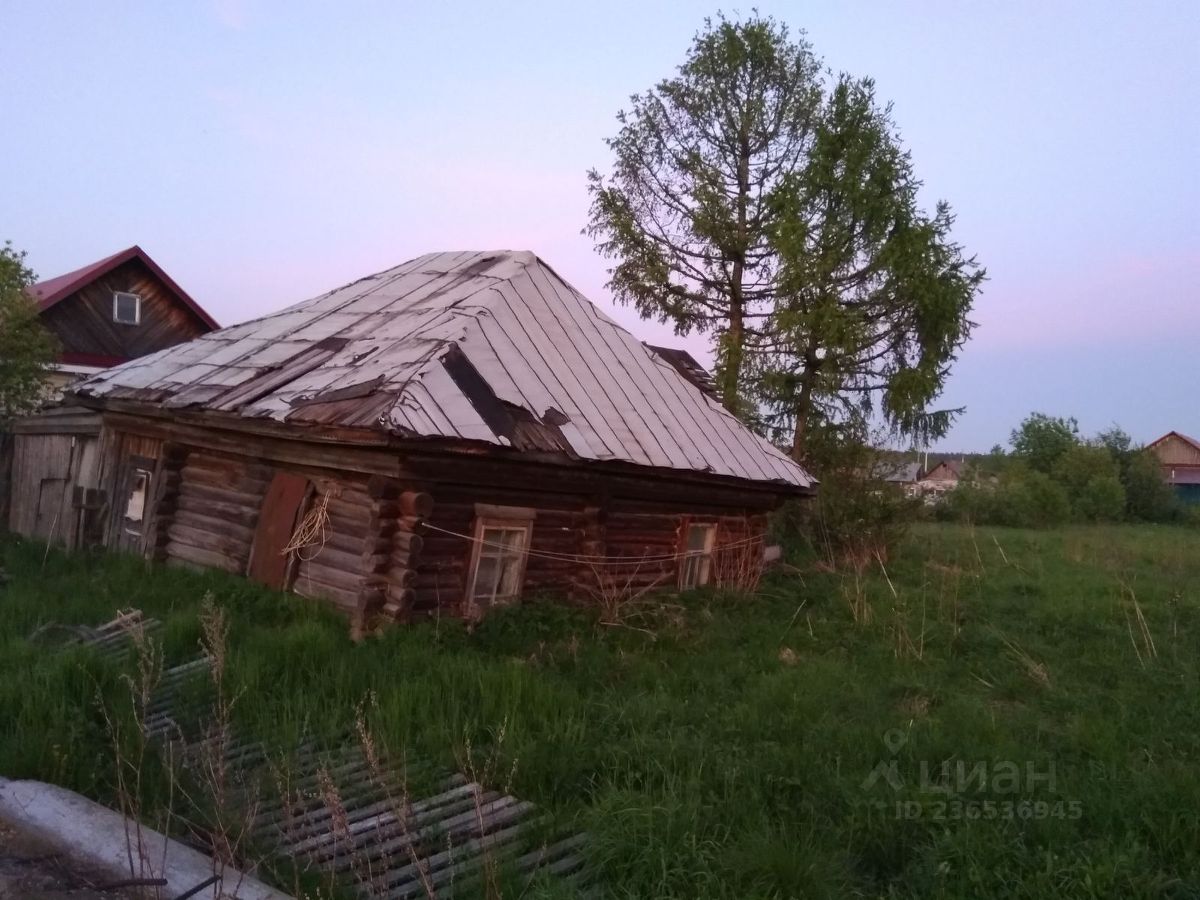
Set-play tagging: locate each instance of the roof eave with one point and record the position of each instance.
(303, 432)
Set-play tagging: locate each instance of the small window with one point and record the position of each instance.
(135, 505)
(696, 564)
(499, 563)
(127, 308)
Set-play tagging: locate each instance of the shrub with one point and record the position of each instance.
(1080, 465)
(1147, 497)
(1101, 500)
(855, 517)
(1022, 498)
(1041, 440)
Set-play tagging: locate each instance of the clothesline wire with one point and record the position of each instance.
(596, 560)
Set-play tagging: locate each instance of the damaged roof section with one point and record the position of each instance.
(475, 346)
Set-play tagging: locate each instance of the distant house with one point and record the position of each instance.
(941, 478)
(1179, 456)
(904, 475)
(114, 310)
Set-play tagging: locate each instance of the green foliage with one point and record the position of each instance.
(1079, 464)
(686, 211)
(1034, 500)
(27, 349)
(875, 295)
(1102, 499)
(758, 199)
(1041, 440)
(856, 517)
(1104, 479)
(725, 752)
(1148, 498)
(1019, 498)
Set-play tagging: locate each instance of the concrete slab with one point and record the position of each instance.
(100, 838)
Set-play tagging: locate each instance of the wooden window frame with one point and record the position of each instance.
(141, 521)
(704, 573)
(137, 307)
(511, 518)
(119, 536)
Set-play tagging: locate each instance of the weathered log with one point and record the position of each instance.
(399, 577)
(207, 540)
(310, 570)
(349, 506)
(416, 504)
(219, 526)
(335, 539)
(407, 543)
(319, 590)
(207, 493)
(244, 514)
(208, 559)
(330, 557)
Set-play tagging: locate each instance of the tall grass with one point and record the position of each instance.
(725, 747)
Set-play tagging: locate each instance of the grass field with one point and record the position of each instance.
(1000, 714)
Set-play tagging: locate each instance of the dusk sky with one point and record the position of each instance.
(263, 153)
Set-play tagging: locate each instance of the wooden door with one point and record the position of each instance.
(277, 518)
(50, 522)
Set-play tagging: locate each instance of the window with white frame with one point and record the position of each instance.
(696, 565)
(498, 559)
(127, 308)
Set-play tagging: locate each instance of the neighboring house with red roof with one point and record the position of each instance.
(1179, 456)
(112, 311)
(116, 309)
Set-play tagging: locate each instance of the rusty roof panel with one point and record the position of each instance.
(550, 371)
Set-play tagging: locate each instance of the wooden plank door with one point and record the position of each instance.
(281, 508)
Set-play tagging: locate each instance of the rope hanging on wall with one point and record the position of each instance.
(313, 528)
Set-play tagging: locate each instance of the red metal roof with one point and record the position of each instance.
(53, 290)
(1183, 437)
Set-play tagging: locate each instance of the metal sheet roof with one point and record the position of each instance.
(482, 346)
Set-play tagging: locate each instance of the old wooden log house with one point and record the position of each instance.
(443, 436)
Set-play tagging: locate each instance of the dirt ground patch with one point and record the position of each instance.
(32, 870)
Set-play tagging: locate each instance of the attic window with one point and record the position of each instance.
(127, 308)
(696, 564)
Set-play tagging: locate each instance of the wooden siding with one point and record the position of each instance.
(46, 469)
(560, 527)
(216, 512)
(333, 568)
(84, 322)
(377, 561)
(1175, 451)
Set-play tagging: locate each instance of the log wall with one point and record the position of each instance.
(216, 511)
(333, 568)
(398, 546)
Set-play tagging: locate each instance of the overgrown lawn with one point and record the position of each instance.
(997, 713)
